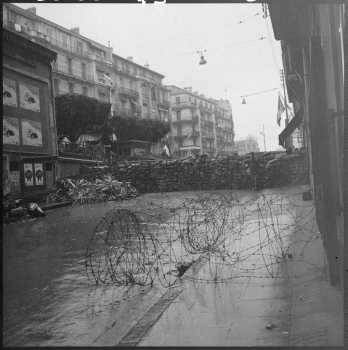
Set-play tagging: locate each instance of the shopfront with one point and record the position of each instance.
(29, 134)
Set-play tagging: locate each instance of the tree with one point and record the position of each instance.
(79, 114)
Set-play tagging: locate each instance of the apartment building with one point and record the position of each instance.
(246, 145)
(89, 68)
(224, 127)
(197, 124)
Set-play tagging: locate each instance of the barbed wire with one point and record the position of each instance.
(234, 236)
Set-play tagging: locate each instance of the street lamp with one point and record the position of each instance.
(202, 60)
(256, 93)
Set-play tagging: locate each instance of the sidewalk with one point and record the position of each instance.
(298, 308)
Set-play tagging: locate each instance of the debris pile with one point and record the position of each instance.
(83, 191)
(14, 210)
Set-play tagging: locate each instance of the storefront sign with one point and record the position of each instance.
(29, 97)
(31, 133)
(10, 131)
(28, 174)
(9, 93)
(39, 174)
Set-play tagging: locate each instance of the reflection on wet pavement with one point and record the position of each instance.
(48, 299)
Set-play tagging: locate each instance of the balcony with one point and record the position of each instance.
(206, 110)
(164, 105)
(128, 92)
(184, 104)
(127, 112)
(195, 133)
(181, 121)
(64, 69)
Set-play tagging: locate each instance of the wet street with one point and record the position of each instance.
(48, 299)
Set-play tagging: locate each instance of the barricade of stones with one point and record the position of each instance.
(180, 175)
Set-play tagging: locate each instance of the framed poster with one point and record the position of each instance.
(10, 131)
(9, 92)
(39, 174)
(29, 97)
(31, 133)
(28, 174)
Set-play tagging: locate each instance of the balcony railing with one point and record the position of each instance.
(204, 109)
(127, 112)
(184, 104)
(128, 92)
(164, 104)
(64, 69)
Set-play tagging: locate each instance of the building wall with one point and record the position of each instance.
(29, 131)
(318, 40)
(136, 91)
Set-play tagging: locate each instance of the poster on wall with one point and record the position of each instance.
(28, 174)
(10, 131)
(29, 97)
(31, 133)
(39, 174)
(9, 93)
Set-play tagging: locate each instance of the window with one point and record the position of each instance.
(56, 86)
(85, 91)
(177, 99)
(64, 40)
(83, 68)
(70, 65)
(71, 88)
(48, 166)
(79, 47)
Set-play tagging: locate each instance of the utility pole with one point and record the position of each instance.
(264, 137)
(285, 101)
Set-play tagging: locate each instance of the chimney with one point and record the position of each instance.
(130, 58)
(146, 65)
(32, 10)
(75, 30)
(189, 88)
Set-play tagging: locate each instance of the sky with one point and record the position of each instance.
(167, 37)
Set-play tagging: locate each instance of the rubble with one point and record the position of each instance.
(15, 210)
(83, 190)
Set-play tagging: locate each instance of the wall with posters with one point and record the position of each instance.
(29, 131)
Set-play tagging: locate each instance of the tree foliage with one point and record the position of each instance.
(79, 114)
(139, 129)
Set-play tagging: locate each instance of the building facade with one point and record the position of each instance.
(199, 125)
(89, 68)
(29, 130)
(313, 38)
(246, 145)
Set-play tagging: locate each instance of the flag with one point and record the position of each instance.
(281, 109)
(108, 80)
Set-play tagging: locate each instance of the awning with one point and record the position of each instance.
(290, 128)
(35, 157)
